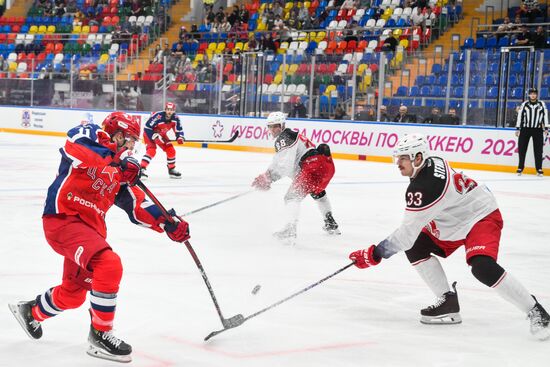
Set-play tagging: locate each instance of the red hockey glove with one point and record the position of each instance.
(177, 231)
(180, 140)
(131, 170)
(262, 182)
(364, 258)
(157, 138)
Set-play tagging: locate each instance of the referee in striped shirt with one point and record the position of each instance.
(532, 122)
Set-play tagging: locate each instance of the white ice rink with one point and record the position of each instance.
(358, 318)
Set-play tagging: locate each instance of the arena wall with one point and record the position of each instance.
(468, 147)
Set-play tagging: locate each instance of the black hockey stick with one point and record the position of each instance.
(217, 203)
(229, 323)
(214, 333)
(231, 140)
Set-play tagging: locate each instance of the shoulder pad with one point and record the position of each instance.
(429, 186)
(286, 139)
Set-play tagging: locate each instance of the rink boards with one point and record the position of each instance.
(470, 147)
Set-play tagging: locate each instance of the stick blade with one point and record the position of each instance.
(233, 321)
(234, 137)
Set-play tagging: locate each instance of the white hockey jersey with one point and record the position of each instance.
(446, 202)
(290, 147)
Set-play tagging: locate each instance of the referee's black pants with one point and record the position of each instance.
(525, 134)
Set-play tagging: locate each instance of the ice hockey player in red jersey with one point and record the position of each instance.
(95, 172)
(446, 210)
(155, 134)
(310, 169)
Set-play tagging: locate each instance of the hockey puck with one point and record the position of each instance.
(256, 289)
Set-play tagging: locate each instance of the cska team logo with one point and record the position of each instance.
(26, 118)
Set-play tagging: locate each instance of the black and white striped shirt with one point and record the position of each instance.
(532, 115)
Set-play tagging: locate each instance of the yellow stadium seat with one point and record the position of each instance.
(307, 4)
(278, 78)
(212, 46)
(33, 29)
(85, 29)
(293, 68)
(361, 68)
(199, 57)
(77, 29)
(51, 29)
(12, 66)
(42, 29)
(320, 36)
(329, 89)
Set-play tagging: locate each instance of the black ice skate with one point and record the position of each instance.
(444, 311)
(331, 227)
(173, 173)
(144, 175)
(104, 345)
(519, 171)
(540, 173)
(540, 321)
(287, 234)
(23, 314)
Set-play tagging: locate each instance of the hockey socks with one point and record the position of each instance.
(102, 310)
(45, 306)
(432, 273)
(514, 292)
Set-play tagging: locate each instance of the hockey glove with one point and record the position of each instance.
(178, 231)
(364, 258)
(262, 182)
(180, 140)
(131, 170)
(157, 138)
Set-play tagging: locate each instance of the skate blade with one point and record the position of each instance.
(175, 177)
(541, 334)
(102, 354)
(448, 319)
(15, 312)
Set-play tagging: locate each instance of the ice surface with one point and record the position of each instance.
(359, 318)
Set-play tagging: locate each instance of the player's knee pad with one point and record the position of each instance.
(107, 271)
(67, 298)
(423, 248)
(319, 195)
(486, 269)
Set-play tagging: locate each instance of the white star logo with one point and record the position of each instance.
(218, 129)
(110, 170)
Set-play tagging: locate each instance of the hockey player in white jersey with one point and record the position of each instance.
(310, 169)
(444, 211)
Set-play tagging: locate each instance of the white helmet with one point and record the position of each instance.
(276, 118)
(410, 145)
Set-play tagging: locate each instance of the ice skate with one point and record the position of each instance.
(540, 173)
(104, 345)
(519, 171)
(331, 227)
(23, 314)
(287, 235)
(444, 311)
(144, 175)
(540, 321)
(173, 173)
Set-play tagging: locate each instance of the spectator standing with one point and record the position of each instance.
(298, 108)
(532, 123)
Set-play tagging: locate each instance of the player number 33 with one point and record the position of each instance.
(414, 198)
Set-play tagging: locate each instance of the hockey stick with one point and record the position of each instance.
(230, 140)
(214, 333)
(217, 203)
(229, 323)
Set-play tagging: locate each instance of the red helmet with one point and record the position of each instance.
(120, 121)
(170, 105)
